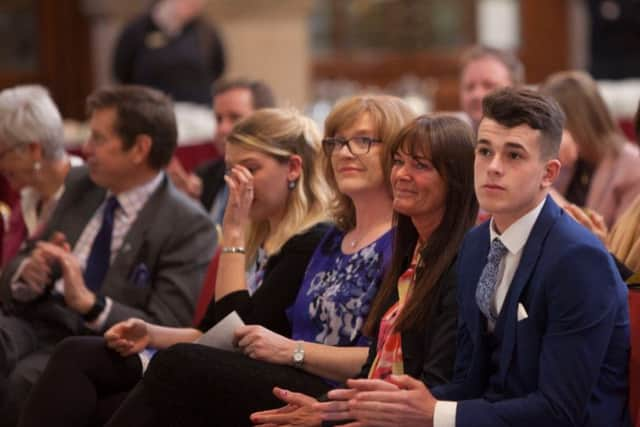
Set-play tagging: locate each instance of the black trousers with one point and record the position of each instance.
(194, 385)
(25, 348)
(83, 385)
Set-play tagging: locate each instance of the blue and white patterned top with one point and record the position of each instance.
(336, 293)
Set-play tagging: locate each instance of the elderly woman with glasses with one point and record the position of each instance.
(32, 159)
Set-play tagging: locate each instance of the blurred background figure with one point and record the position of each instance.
(483, 70)
(32, 159)
(623, 240)
(171, 48)
(599, 166)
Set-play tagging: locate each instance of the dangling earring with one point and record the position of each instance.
(37, 166)
(292, 184)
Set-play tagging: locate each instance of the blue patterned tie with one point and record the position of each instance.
(100, 255)
(489, 279)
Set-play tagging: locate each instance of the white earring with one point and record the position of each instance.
(37, 166)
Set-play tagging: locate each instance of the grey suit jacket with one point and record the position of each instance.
(156, 275)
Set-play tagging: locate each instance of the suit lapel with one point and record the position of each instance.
(135, 242)
(530, 255)
(75, 214)
(479, 253)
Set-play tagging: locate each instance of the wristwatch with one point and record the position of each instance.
(96, 309)
(298, 355)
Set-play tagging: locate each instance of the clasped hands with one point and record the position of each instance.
(396, 401)
(38, 270)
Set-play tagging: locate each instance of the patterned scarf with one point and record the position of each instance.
(388, 359)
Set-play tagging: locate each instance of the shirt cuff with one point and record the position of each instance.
(98, 323)
(444, 414)
(19, 290)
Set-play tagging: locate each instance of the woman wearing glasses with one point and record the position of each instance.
(195, 385)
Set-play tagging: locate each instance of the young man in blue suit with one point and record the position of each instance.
(543, 333)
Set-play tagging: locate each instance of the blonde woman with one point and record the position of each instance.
(600, 168)
(273, 223)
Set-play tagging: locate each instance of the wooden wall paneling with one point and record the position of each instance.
(66, 60)
(545, 27)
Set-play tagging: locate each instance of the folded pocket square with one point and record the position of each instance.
(522, 313)
(140, 276)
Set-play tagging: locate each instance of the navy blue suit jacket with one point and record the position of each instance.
(566, 364)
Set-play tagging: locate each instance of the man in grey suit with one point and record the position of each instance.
(122, 242)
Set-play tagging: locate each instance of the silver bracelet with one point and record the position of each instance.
(233, 250)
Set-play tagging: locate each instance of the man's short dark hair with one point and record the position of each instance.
(510, 61)
(261, 93)
(140, 111)
(511, 107)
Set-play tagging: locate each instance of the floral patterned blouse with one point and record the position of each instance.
(336, 293)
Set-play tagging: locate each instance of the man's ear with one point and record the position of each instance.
(295, 168)
(141, 149)
(551, 171)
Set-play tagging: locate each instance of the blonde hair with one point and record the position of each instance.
(389, 115)
(281, 133)
(587, 117)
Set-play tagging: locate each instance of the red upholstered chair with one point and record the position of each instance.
(208, 289)
(192, 155)
(634, 362)
(628, 128)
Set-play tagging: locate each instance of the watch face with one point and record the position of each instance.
(298, 356)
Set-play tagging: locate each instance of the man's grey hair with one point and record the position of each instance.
(29, 115)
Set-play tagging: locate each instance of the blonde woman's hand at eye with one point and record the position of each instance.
(241, 196)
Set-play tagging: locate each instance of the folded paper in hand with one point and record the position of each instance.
(221, 334)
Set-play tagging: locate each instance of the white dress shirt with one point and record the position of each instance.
(514, 238)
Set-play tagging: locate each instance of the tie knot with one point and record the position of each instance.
(111, 205)
(498, 250)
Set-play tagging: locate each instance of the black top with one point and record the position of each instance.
(211, 174)
(580, 183)
(282, 278)
(429, 353)
(184, 66)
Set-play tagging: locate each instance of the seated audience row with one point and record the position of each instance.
(528, 351)
(342, 277)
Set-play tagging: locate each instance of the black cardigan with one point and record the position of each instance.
(282, 278)
(429, 353)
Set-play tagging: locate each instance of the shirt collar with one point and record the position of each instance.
(131, 201)
(515, 237)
